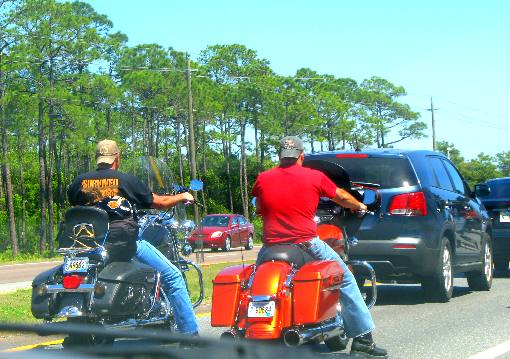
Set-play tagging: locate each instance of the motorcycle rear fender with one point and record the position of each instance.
(72, 305)
(269, 283)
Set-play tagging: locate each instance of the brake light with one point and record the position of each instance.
(409, 204)
(351, 155)
(72, 281)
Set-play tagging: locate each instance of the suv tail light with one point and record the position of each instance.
(409, 204)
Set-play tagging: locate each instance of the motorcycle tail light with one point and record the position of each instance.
(409, 204)
(72, 281)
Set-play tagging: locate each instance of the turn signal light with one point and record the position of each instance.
(72, 281)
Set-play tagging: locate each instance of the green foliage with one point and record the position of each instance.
(68, 81)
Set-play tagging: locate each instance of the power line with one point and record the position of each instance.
(474, 108)
(471, 121)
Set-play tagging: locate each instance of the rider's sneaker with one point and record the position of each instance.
(364, 346)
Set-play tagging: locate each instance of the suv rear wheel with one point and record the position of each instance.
(439, 287)
(482, 278)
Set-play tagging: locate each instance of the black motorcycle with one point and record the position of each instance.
(89, 288)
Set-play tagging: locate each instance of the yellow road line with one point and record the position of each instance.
(59, 341)
(33, 346)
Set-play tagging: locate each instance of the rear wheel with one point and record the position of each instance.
(249, 244)
(482, 279)
(439, 287)
(337, 343)
(76, 340)
(228, 244)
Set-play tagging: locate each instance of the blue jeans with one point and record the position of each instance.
(173, 284)
(355, 314)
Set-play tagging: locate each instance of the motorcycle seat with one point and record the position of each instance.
(289, 253)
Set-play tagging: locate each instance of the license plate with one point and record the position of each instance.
(261, 309)
(76, 265)
(504, 216)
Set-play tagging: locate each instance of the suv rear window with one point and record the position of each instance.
(499, 189)
(384, 171)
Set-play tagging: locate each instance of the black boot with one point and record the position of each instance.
(191, 344)
(364, 346)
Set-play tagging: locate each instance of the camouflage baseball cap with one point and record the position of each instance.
(106, 151)
(291, 146)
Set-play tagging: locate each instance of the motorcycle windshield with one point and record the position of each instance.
(160, 178)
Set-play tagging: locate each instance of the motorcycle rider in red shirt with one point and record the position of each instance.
(287, 199)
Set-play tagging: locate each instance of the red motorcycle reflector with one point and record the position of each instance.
(351, 155)
(409, 204)
(72, 281)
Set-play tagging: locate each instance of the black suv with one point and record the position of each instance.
(430, 225)
(495, 195)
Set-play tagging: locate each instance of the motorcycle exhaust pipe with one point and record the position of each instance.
(294, 337)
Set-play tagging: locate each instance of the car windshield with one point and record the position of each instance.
(499, 188)
(386, 172)
(215, 221)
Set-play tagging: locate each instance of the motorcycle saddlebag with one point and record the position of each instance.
(226, 294)
(127, 285)
(316, 291)
(41, 304)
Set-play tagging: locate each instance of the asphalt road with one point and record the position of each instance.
(471, 323)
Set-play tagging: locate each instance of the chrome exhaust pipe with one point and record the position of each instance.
(294, 337)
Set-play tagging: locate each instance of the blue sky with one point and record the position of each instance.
(455, 51)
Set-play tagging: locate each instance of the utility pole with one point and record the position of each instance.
(192, 154)
(433, 124)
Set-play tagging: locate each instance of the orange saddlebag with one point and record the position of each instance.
(315, 293)
(226, 294)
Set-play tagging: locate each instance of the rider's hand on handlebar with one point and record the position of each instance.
(187, 197)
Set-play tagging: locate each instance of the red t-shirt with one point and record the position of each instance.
(288, 198)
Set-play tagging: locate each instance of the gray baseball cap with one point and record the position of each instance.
(291, 146)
